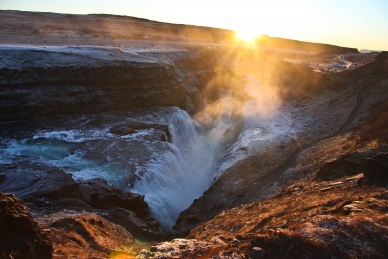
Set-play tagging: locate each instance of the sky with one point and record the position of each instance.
(361, 24)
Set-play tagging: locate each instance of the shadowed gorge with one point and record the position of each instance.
(129, 138)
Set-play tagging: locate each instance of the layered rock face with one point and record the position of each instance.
(48, 82)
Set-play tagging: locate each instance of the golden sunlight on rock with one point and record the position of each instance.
(126, 138)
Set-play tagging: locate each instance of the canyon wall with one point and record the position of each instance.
(42, 82)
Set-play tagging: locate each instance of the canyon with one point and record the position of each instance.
(140, 132)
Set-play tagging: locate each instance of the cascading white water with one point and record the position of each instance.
(171, 183)
(170, 174)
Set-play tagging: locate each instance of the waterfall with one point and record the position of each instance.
(173, 181)
(170, 174)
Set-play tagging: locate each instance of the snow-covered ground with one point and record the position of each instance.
(13, 56)
(267, 120)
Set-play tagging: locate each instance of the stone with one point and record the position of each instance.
(343, 166)
(126, 200)
(87, 235)
(138, 227)
(375, 169)
(161, 133)
(40, 182)
(188, 249)
(257, 252)
(352, 208)
(20, 235)
(2, 177)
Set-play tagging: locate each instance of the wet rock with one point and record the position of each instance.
(162, 132)
(2, 177)
(130, 201)
(89, 187)
(100, 195)
(20, 236)
(127, 209)
(257, 252)
(70, 203)
(42, 202)
(138, 227)
(39, 181)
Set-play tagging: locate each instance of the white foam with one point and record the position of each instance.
(171, 176)
(172, 181)
(74, 135)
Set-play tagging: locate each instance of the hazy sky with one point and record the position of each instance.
(350, 23)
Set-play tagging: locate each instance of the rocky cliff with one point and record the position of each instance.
(44, 82)
(318, 48)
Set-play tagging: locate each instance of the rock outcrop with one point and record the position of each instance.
(38, 181)
(45, 83)
(344, 166)
(50, 188)
(20, 235)
(184, 249)
(86, 236)
(375, 169)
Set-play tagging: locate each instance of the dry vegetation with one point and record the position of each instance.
(305, 222)
(328, 207)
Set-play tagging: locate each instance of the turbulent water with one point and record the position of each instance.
(159, 151)
(171, 174)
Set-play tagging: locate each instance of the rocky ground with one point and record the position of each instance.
(331, 203)
(309, 104)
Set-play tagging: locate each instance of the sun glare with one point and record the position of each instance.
(247, 35)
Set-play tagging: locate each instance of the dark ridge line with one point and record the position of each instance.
(275, 174)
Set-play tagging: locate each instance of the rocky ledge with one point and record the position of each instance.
(47, 190)
(49, 81)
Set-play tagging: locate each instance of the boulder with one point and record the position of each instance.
(162, 132)
(375, 169)
(257, 252)
(2, 177)
(20, 235)
(140, 228)
(338, 168)
(186, 249)
(39, 181)
(87, 235)
(100, 195)
(130, 201)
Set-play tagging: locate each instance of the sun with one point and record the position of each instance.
(247, 35)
